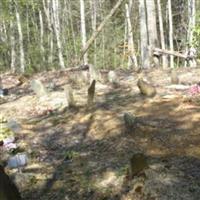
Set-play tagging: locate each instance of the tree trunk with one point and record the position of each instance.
(145, 59)
(131, 50)
(152, 28)
(41, 36)
(56, 25)
(93, 5)
(162, 38)
(12, 45)
(21, 47)
(83, 30)
(171, 45)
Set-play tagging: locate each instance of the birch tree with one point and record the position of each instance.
(131, 50)
(162, 37)
(41, 35)
(21, 46)
(83, 30)
(171, 45)
(56, 24)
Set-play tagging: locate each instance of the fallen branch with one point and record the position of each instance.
(99, 28)
(157, 51)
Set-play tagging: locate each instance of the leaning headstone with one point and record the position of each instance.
(38, 88)
(91, 92)
(69, 95)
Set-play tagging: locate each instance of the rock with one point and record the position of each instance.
(23, 180)
(145, 88)
(138, 163)
(17, 161)
(14, 126)
(38, 88)
(8, 190)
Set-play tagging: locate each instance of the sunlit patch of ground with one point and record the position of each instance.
(84, 153)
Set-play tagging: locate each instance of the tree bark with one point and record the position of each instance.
(145, 58)
(56, 24)
(83, 29)
(171, 33)
(162, 37)
(131, 48)
(21, 46)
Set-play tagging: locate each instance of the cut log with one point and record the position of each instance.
(157, 51)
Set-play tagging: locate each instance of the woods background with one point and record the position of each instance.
(38, 35)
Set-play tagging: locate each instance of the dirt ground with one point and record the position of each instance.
(84, 154)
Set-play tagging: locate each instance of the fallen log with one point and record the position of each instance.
(157, 51)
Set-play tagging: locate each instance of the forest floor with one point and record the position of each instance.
(84, 154)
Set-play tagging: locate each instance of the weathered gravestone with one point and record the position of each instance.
(69, 95)
(91, 92)
(38, 88)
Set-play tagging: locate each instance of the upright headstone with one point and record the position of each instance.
(38, 88)
(69, 95)
(112, 78)
(91, 92)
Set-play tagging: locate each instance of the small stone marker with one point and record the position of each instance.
(38, 88)
(69, 95)
(112, 77)
(91, 92)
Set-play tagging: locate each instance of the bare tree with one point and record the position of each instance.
(171, 33)
(83, 29)
(162, 37)
(145, 59)
(56, 24)
(21, 46)
(131, 48)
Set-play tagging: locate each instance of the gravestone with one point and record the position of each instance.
(69, 95)
(38, 88)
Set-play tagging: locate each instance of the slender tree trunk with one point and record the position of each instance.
(171, 33)
(93, 5)
(145, 60)
(41, 36)
(21, 47)
(56, 24)
(191, 19)
(152, 29)
(72, 28)
(83, 29)
(191, 26)
(131, 49)
(162, 38)
(12, 44)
